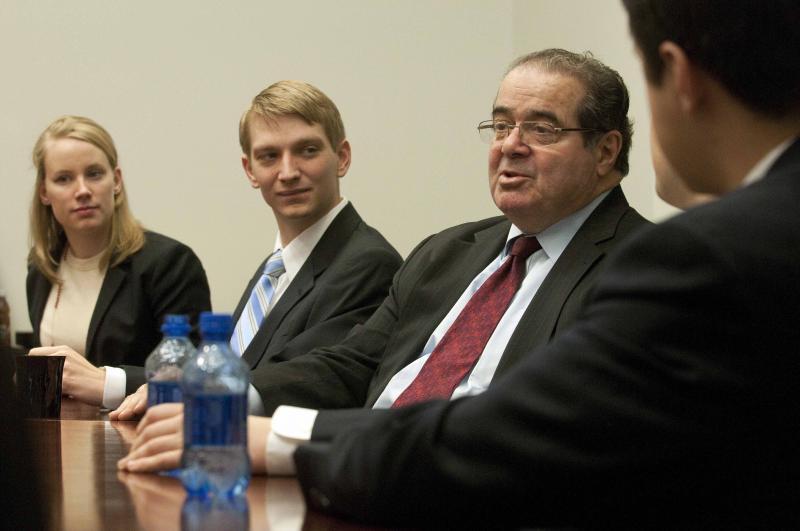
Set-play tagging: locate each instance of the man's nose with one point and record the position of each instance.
(288, 168)
(513, 145)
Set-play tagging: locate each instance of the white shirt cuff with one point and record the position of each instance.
(291, 426)
(114, 387)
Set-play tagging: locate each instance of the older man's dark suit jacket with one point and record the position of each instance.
(343, 281)
(673, 401)
(434, 276)
(163, 277)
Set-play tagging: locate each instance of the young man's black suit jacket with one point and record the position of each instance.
(343, 281)
(163, 277)
(434, 276)
(673, 401)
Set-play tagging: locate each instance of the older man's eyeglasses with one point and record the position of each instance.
(536, 133)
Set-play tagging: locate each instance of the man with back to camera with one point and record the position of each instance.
(558, 179)
(328, 269)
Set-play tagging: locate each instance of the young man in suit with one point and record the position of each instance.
(558, 145)
(328, 269)
(672, 402)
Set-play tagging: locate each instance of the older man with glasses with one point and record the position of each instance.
(472, 300)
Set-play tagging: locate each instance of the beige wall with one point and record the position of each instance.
(601, 27)
(170, 79)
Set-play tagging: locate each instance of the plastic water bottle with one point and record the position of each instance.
(198, 514)
(215, 381)
(164, 366)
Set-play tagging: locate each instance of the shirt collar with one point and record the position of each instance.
(299, 249)
(761, 168)
(555, 238)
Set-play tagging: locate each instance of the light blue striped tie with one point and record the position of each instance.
(258, 303)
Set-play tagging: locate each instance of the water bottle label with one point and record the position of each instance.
(162, 392)
(215, 420)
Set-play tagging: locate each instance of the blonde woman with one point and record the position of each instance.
(98, 284)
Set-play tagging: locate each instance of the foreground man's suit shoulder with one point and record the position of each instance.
(673, 398)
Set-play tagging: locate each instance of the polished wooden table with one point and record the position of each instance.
(77, 457)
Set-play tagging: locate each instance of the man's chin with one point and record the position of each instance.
(513, 205)
(527, 217)
(296, 212)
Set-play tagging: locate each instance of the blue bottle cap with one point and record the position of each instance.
(176, 325)
(216, 326)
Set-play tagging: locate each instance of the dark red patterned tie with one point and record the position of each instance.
(462, 345)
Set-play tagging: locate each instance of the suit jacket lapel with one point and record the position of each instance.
(246, 294)
(538, 323)
(300, 286)
(439, 285)
(113, 280)
(41, 292)
(323, 254)
(446, 284)
(38, 300)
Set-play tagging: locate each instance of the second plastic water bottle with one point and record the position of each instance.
(215, 381)
(164, 366)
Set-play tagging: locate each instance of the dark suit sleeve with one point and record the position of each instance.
(645, 405)
(174, 283)
(337, 375)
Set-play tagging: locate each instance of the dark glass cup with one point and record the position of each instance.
(39, 385)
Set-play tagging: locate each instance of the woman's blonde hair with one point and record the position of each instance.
(47, 236)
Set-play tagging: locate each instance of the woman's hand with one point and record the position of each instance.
(81, 380)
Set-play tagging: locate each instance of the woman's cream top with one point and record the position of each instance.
(70, 305)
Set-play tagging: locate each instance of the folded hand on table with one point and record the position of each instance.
(159, 441)
(132, 407)
(81, 380)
